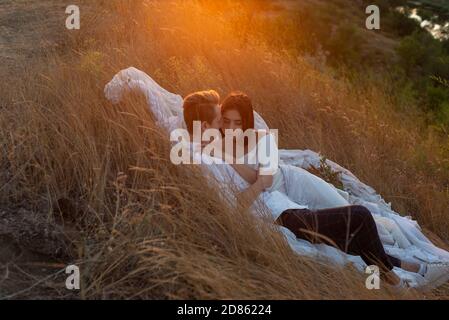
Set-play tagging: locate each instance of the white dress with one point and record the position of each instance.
(301, 186)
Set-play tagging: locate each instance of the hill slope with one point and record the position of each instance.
(88, 183)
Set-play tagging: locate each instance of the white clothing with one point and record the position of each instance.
(401, 236)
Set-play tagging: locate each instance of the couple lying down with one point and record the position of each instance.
(316, 218)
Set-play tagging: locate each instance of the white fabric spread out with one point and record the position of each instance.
(401, 236)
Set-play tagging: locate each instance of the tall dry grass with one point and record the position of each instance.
(144, 228)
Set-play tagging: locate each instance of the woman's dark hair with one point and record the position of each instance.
(242, 104)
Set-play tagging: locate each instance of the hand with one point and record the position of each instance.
(265, 180)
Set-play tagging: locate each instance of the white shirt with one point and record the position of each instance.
(231, 183)
(277, 202)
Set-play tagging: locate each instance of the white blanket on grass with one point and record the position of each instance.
(401, 236)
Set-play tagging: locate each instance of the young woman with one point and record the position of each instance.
(298, 184)
(327, 216)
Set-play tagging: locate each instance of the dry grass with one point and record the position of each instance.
(141, 227)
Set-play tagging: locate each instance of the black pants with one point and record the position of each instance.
(352, 229)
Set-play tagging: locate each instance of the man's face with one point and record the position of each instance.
(216, 122)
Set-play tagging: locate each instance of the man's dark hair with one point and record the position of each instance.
(200, 106)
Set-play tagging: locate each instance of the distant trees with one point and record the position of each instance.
(425, 60)
(400, 24)
(332, 30)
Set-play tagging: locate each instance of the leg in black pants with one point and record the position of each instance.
(352, 229)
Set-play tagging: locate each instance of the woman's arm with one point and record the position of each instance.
(246, 198)
(269, 144)
(246, 172)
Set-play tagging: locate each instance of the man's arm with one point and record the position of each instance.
(165, 106)
(246, 198)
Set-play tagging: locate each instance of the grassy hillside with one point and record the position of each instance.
(89, 183)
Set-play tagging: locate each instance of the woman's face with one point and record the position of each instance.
(231, 119)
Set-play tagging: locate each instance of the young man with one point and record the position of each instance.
(202, 106)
